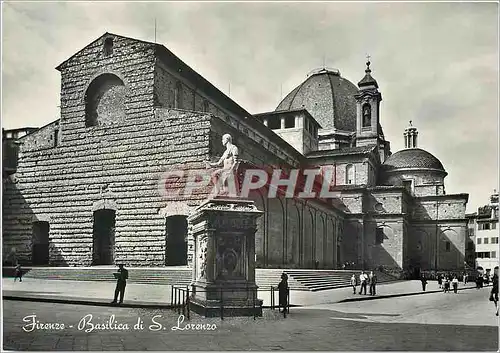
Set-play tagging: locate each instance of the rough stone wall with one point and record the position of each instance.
(132, 62)
(63, 185)
(385, 202)
(43, 138)
(442, 208)
(167, 82)
(360, 173)
(353, 202)
(426, 183)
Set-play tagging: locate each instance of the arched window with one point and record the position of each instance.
(206, 107)
(349, 174)
(104, 100)
(367, 115)
(178, 96)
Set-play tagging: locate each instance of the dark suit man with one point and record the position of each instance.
(121, 283)
(373, 283)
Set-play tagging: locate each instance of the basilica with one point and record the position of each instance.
(83, 190)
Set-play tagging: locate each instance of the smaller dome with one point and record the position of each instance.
(413, 158)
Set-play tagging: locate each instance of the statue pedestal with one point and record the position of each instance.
(224, 258)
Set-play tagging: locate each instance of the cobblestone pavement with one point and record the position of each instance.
(385, 324)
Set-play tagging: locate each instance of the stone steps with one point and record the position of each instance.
(316, 280)
(306, 280)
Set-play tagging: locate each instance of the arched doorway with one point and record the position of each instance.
(104, 237)
(176, 241)
(40, 249)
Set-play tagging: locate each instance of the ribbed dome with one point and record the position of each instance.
(328, 97)
(413, 158)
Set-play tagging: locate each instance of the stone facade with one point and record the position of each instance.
(87, 188)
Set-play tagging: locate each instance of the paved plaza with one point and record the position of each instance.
(148, 294)
(430, 322)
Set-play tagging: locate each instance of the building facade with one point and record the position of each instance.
(85, 188)
(484, 229)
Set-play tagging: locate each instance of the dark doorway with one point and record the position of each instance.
(104, 237)
(40, 250)
(176, 241)
(416, 272)
(339, 260)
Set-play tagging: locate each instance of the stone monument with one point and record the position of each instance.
(223, 228)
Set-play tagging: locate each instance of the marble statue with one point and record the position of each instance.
(228, 162)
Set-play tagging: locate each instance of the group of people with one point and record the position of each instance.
(445, 282)
(364, 281)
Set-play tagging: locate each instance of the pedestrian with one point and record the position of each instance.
(283, 293)
(465, 278)
(446, 285)
(373, 283)
(454, 282)
(353, 283)
(362, 279)
(121, 277)
(494, 290)
(18, 272)
(424, 282)
(440, 281)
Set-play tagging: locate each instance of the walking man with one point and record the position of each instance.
(121, 283)
(362, 279)
(283, 293)
(353, 283)
(18, 272)
(424, 282)
(373, 282)
(446, 285)
(494, 290)
(454, 282)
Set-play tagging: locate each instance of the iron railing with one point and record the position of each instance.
(180, 300)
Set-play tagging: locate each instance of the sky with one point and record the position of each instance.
(436, 63)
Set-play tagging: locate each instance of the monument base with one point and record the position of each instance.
(212, 300)
(213, 309)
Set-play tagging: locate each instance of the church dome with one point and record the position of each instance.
(328, 97)
(414, 158)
